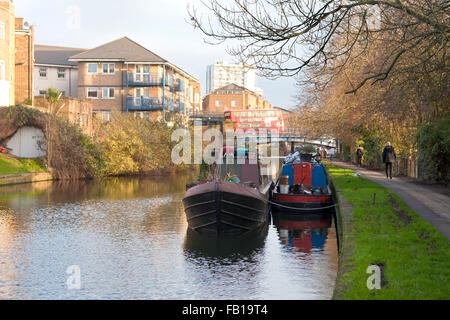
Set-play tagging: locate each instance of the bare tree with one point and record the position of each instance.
(288, 37)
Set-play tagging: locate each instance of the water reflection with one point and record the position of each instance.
(225, 246)
(129, 236)
(304, 232)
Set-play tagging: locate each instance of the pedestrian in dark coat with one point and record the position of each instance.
(359, 155)
(389, 157)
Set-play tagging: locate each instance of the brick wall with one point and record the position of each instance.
(78, 112)
(24, 65)
(245, 100)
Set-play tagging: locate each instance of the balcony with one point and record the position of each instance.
(153, 104)
(145, 104)
(144, 80)
(179, 86)
(149, 80)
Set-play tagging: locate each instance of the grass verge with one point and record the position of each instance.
(414, 257)
(11, 165)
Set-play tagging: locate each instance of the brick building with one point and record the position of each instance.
(24, 43)
(16, 57)
(233, 97)
(7, 52)
(124, 76)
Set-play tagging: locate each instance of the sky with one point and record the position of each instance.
(159, 25)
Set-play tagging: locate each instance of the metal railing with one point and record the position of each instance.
(154, 104)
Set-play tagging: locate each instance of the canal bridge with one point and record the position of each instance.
(291, 136)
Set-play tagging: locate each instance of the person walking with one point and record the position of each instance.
(389, 157)
(331, 154)
(359, 154)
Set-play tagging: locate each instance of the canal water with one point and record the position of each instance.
(127, 238)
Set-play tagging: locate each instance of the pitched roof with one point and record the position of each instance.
(231, 87)
(53, 55)
(123, 49)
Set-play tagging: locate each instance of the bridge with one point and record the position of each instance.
(291, 135)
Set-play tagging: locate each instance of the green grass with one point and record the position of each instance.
(415, 255)
(11, 165)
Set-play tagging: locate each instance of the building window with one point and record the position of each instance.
(92, 68)
(197, 98)
(108, 93)
(61, 73)
(92, 93)
(109, 68)
(43, 72)
(2, 31)
(234, 103)
(142, 73)
(2, 70)
(42, 92)
(218, 103)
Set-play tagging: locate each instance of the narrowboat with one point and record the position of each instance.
(302, 186)
(235, 199)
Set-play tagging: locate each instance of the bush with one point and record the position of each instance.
(133, 145)
(70, 154)
(433, 144)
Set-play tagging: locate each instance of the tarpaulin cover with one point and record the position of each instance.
(288, 170)
(319, 178)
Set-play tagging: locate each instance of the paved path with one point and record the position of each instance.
(431, 202)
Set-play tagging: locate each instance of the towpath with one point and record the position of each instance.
(431, 202)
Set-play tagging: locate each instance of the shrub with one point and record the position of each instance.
(433, 144)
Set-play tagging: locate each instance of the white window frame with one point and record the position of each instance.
(61, 71)
(91, 89)
(41, 70)
(233, 103)
(2, 31)
(108, 93)
(196, 98)
(218, 103)
(109, 68)
(2, 70)
(89, 64)
(140, 76)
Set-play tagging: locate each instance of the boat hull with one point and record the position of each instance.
(301, 204)
(225, 207)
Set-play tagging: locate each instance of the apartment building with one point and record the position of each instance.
(233, 97)
(52, 69)
(123, 75)
(223, 73)
(7, 52)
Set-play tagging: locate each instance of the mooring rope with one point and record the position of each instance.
(301, 209)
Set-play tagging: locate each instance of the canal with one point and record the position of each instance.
(128, 239)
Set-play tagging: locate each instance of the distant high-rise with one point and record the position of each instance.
(221, 74)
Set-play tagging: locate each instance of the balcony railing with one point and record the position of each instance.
(179, 86)
(149, 80)
(145, 80)
(153, 104)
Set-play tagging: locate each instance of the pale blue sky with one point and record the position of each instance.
(159, 25)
